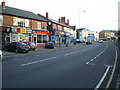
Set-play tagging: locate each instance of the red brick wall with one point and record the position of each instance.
(7, 20)
(59, 27)
(34, 24)
(54, 26)
(101, 34)
(44, 25)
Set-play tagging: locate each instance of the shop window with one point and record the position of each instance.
(39, 39)
(44, 38)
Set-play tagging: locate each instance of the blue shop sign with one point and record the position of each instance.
(29, 31)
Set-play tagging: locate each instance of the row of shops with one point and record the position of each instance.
(33, 35)
(20, 25)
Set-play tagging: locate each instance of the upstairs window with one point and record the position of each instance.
(21, 24)
(39, 25)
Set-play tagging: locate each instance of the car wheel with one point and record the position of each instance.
(33, 49)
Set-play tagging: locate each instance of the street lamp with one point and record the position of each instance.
(80, 16)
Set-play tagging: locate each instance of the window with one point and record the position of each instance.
(39, 25)
(39, 39)
(21, 24)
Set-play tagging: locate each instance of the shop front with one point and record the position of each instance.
(21, 34)
(58, 37)
(41, 37)
(6, 36)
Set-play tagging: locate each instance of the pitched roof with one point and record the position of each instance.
(21, 13)
(53, 21)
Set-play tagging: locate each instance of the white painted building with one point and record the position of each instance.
(82, 34)
(93, 35)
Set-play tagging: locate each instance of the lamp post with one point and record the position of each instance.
(80, 17)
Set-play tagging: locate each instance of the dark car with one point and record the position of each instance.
(18, 47)
(88, 42)
(31, 45)
(49, 44)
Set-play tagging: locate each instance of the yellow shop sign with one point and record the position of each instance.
(22, 30)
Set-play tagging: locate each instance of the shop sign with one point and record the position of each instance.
(22, 30)
(29, 30)
(58, 32)
(18, 30)
(14, 30)
(40, 32)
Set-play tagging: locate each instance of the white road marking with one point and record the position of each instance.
(70, 53)
(97, 55)
(100, 82)
(91, 59)
(109, 82)
(87, 63)
(37, 61)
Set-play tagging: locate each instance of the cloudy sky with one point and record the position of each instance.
(93, 14)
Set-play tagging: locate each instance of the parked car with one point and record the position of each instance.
(88, 42)
(31, 45)
(49, 44)
(18, 47)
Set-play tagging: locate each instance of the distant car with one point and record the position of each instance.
(18, 47)
(88, 42)
(100, 41)
(31, 45)
(49, 44)
(78, 41)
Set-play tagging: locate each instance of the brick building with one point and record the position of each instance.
(19, 25)
(107, 35)
(61, 30)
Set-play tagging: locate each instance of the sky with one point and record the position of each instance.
(96, 15)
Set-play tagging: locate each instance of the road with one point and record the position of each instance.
(85, 66)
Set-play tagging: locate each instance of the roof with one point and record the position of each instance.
(110, 30)
(73, 27)
(53, 21)
(21, 13)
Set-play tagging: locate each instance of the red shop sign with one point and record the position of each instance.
(40, 32)
(18, 29)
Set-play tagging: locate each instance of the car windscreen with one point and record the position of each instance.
(22, 44)
(49, 42)
(32, 43)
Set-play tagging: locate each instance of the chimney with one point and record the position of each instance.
(3, 5)
(63, 20)
(47, 15)
(59, 20)
(68, 21)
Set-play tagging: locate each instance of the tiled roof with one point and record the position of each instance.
(53, 21)
(21, 13)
